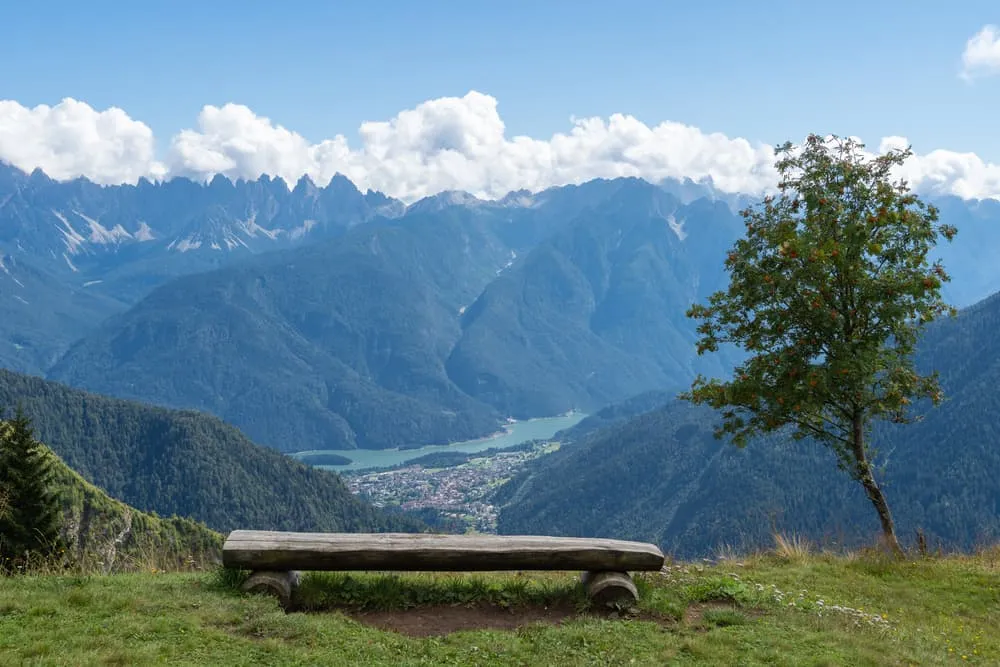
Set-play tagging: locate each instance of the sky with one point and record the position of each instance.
(416, 97)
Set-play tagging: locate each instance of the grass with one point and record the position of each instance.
(774, 608)
(322, 591)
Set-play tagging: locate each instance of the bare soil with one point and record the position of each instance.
(445, 619)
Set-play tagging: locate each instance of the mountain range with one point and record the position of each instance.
(86, 251)
(325, 318)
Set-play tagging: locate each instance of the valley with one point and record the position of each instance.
(513, 434)
(188, 359)
(684, 315)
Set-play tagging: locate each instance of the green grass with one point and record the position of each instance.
(765, 609)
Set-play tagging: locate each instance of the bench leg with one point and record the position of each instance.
(610, 588)
(282, 585)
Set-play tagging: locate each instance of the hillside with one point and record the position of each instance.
(615, 414)
(41, 316)
(186, 464)
(595, 313)
(787, 607)
(663, 477)
(970, 258)
(107, 535)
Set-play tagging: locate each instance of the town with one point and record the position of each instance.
(457, 493)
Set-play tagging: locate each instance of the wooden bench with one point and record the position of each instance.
(276, 558)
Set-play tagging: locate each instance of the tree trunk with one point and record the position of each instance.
(872, 490)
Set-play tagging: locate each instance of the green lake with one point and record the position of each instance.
(515, 434)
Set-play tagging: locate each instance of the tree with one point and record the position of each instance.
(828, 290)
(32, 518)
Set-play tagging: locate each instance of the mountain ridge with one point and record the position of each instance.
(530, 305)
(375, 339)
(186, 463)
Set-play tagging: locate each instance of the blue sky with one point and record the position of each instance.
(763, 71)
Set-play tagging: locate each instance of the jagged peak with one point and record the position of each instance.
(220, 182)
(305, 185)
(39, 177)
(341, 183)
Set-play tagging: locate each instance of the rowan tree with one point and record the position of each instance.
(828, 290)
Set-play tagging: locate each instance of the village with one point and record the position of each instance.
(457, 493)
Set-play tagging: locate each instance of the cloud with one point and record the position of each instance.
(71, 139)
(456, 143)
(982, 54)
(450, 143)
(942, 172)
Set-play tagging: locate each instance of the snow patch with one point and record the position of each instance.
(251, 228)
(677, 227)
(21, 300)
(6, 269)
(302, 230)
(184, 245)
(233, 241)
(145, 232)
(72, 237)
(510, 262)
(92, 282)
(101, 234)
(71, 266)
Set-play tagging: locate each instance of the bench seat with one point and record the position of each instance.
(257, 549)
(275, 558)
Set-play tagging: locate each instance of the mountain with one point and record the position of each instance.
(335, 345)
(595, 313)
(663, 477)
(87, 251)
(41, 315)
(971, 257)
(326, 318)
(615, 414)
(187, 464)
(426, 329)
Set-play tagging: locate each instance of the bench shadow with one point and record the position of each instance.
(439, 603)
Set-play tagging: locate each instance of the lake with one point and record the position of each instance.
(516, 433)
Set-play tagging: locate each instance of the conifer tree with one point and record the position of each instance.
(31, 518)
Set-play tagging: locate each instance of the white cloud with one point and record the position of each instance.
(450, 143)
(946, 172)
(71, 139)
(982, 54)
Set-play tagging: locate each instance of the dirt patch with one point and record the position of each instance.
(445, 619)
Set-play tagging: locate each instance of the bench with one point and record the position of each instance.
(275, 559)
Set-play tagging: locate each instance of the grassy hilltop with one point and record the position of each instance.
(784, 607)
